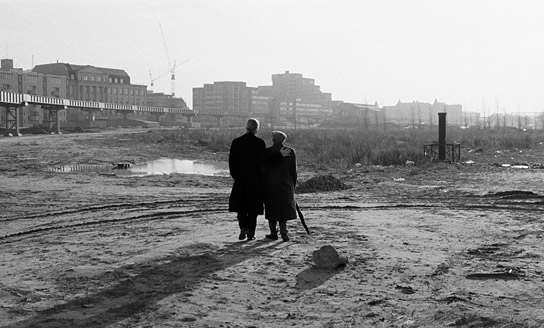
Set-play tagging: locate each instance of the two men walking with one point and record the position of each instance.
(262, 175)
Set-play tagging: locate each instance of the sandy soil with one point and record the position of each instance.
(428, 246)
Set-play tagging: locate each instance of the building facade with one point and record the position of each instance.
(89, 83)
(99, 84)
(159, 99)
(289, 86)
(226, 96)
(290, 100)
(18, 81)
(419, 113)
(361, 115)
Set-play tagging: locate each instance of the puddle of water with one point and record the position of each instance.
(169, 166)
(160, 166)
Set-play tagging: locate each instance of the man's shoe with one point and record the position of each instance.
(250, 237)
(243, 234)
(284, 237)
(272, 236)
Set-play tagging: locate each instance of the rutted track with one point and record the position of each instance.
(148, 217)
(112, 214)
(162, 210)
(116, 206)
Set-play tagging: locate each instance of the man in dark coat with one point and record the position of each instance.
(245, 165)
(279, 186)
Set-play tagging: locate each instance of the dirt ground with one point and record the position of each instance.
(432, 245)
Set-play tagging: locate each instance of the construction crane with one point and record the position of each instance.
(163, 73)
(172, 67)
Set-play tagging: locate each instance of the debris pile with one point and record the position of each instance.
(321, 183)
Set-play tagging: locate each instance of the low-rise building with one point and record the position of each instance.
(159, 99)
(365, 115)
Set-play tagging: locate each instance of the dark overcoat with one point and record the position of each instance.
(280, 183)
(245, 165)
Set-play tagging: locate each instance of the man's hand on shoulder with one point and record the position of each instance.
(285, 152)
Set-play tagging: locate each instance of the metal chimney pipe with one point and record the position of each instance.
(441, 136)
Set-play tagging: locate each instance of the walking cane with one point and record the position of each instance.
(302, 219)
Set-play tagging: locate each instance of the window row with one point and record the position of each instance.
(98, 78)
(114, 91)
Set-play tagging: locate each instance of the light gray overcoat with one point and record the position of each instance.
(280, 183)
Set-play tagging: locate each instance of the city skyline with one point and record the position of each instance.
(476, 54)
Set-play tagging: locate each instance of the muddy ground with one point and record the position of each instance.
(432, 245)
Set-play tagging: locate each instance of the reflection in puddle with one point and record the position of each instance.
(81, 168)
(160, 166)
(169, 166)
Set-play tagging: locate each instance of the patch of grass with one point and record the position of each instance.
(347, 147)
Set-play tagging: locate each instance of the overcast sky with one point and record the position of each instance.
(480, 54)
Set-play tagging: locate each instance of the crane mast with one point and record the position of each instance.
(171, 67)
(161, 74)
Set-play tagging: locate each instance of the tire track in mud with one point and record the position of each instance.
(213, 205)
(114, 206)
(158, 210)
(148, 217)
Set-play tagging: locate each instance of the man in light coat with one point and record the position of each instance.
(279, 186)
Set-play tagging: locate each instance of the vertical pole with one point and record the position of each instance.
(6, 118)
(50, 118)
(441, 136)
(17, 121)
(57, 117)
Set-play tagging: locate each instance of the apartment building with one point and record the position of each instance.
(289, 86)
(225, 96)
(297, 100)
(290, 99)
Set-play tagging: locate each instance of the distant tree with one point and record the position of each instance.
(412, 113)
(541, 116)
